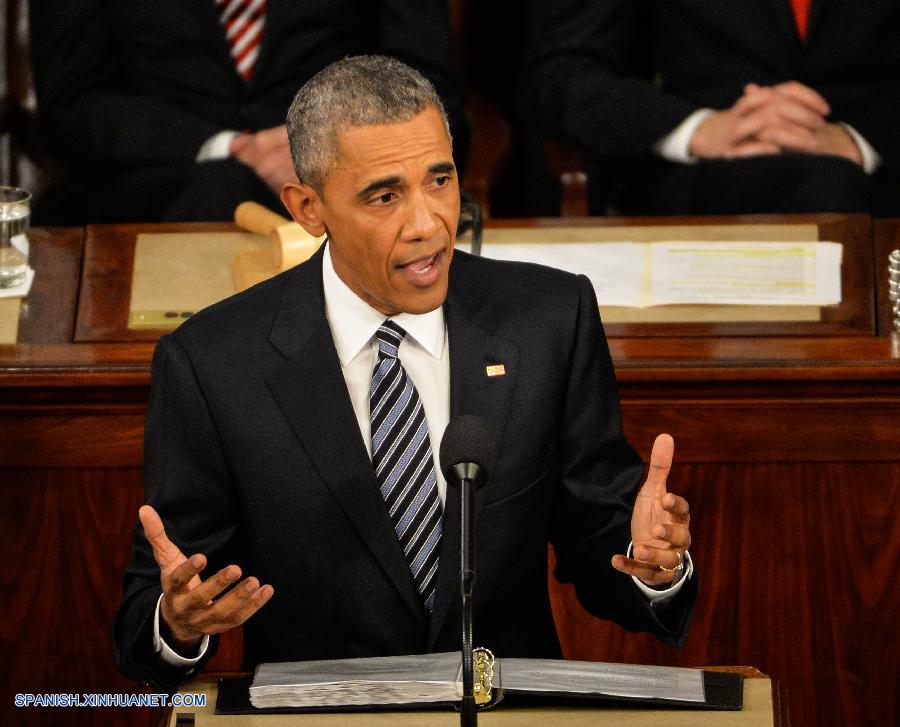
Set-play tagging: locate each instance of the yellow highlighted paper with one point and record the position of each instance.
(643, 274)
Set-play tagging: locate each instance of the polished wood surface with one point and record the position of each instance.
(787, 446)
(109, 264)
(47, 315)
(106, 279)
(886, 239)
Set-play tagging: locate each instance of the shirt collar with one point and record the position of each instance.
(353, 322)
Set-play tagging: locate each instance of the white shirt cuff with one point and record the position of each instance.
(216, 147)
(871, 158)
(659, 598)
(166, 653)
(676, 145)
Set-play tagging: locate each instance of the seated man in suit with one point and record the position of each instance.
(175, 110)
(726, 106)
(291, 429)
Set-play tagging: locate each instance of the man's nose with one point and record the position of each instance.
(422, 221)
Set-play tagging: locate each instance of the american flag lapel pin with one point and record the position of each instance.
(495, 370)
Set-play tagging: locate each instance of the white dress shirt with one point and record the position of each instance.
(216, 147)
(425, 354)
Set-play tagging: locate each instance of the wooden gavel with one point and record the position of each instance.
(291, 244)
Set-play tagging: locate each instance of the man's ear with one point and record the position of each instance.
(304, 204)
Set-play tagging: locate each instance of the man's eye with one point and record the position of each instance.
(384, 198)
(442, 181)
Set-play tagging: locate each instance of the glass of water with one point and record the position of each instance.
(14, 213)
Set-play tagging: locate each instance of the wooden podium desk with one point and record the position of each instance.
(787, 447)
(761, 709)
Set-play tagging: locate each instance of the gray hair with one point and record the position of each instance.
(356, 91)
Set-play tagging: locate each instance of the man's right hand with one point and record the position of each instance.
(187, 610)
(268, 154)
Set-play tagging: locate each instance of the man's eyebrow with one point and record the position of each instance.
(385, 182)
(442, 168)
(378, 184)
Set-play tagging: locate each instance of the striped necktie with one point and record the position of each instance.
(404, 463)
(243, 21)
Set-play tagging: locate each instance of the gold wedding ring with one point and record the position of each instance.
(672, 570)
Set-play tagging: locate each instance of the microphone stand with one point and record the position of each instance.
(468, 717)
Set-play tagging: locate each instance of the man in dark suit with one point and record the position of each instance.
(149, 111)
(726, 106)
(261, 457)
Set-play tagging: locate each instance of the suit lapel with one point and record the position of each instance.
(311, 392)
(784, 19)
(208, 19)
(269, 40)
(816, 11)
(473, 347)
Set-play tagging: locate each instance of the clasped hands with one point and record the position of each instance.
(660, 524)
(789, 117)
(188, 611)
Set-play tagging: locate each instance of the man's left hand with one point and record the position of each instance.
(660, 523)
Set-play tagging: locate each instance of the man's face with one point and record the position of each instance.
(390, 206)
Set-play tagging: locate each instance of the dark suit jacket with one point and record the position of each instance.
(125, 84)
(254, 455)
(618, 75)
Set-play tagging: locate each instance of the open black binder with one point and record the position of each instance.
(721, 691)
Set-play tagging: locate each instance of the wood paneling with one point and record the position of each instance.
(798, 577)
(73, 440)
(780, 430)
(66, 542)
(65, 545)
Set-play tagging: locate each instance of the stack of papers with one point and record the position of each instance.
(642, 274)
(437, 678)
(629, 681)
(416, 679)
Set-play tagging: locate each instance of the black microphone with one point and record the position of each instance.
(467, 450)
(467, 459)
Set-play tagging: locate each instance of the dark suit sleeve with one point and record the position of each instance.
(600, 475)
(872, 105)
(186, 478)
(588, 77)
(85, 111)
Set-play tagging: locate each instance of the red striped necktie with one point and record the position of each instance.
(243, 21)
(801, 15)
